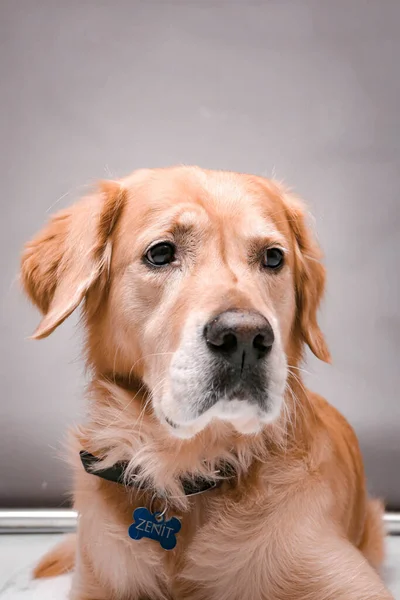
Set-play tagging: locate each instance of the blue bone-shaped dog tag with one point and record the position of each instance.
(154, 527)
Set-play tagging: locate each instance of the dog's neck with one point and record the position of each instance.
(122, 428)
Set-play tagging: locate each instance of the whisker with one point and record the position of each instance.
(144, 358)
(300, 369)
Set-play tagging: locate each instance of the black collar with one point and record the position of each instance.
(190, 486)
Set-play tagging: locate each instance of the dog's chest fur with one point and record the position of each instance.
(141, 568)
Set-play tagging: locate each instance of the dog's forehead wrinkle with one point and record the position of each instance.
(191, 215)
(192, 197)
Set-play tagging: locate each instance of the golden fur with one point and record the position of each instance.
(295, 522)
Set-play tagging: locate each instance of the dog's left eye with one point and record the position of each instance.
(273, 258)
(161, 254)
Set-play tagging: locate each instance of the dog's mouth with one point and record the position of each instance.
(228, 384)
(241, 400)
(171, 423)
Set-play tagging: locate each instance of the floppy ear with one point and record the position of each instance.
(309, 278)
(67, 257)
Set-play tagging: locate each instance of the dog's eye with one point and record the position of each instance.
(161, 254)
(273, 258)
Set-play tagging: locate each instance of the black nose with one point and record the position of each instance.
(242, 337)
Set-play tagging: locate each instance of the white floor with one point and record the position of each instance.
(18, 553)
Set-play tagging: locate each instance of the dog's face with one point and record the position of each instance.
(202, 285)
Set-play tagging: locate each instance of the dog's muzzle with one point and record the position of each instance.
(239, 342)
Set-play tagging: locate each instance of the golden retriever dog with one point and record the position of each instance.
(200, 292)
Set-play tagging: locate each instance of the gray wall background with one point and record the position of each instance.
(308, 90)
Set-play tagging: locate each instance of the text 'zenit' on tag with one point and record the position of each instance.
(155, 527)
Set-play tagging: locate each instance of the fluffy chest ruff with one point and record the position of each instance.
(210, 521)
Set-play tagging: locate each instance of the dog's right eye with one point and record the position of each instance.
(160, 254)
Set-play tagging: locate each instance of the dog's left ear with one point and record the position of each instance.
(309, 277)
(72, 252)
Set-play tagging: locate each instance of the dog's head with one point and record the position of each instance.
(201, 285)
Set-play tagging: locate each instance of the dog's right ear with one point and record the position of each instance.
(61, 264)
